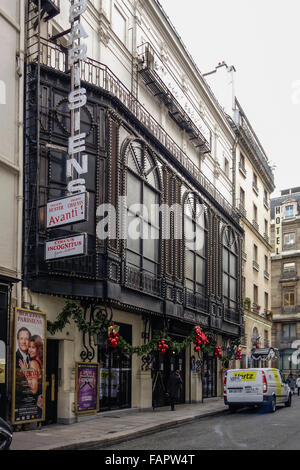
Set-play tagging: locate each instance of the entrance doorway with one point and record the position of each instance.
(163, 366)
(115, 374)
(51, 381)
(209, 377)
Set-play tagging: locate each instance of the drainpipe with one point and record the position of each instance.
(20, 72)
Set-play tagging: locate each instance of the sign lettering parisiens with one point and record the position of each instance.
(77, 99)
(73, 209)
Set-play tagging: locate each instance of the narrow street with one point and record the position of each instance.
(247, 429)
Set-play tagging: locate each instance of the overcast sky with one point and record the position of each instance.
(261, 38)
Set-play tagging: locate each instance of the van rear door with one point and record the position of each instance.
(244, 386)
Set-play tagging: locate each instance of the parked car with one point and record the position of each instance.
(5, 435)
(252, 387)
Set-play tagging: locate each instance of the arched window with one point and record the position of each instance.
(143, 216)
(195, 234)
(230, 259)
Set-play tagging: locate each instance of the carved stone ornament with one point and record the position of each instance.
(103, 34)
(164, 53)
(217, 170)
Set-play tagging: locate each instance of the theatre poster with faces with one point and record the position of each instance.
(29, 366)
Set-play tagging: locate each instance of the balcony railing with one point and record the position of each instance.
(254, 142)
(255, 225)
(255, 265)
(196, 300)
(99, 75)
(242, 169)
(266, 204)
(287, 275)
(232, 316)
(143, 281)
(289, 309)
(163, 84)
(256, 308)
(266, 275)
(241, 208)
(255, 188)
(266, 237)
(49, 7)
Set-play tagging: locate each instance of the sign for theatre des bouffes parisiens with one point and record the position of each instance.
(29, 366)
(73, 208)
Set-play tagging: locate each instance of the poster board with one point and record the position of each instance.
(87, 387)
(29, 366)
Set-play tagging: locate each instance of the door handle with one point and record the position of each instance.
(52, 387)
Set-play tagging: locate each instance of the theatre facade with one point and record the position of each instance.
(146, 155)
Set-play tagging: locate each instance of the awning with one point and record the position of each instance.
(9, 279)
(264, 354)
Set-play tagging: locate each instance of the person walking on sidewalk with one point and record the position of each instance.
(174, 387)
(291, 383)
(298, 385)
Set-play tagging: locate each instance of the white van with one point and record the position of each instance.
(250, 387)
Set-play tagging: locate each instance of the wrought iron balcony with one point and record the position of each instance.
(288, 275)
(162, 84)
(266, 204)
(256, 308)
(99, 75)
(255, 225)
(51, 8)
(232, 316)
(242, 169)
(196, 301)
(266, 275)
(142, 281)
(241, 208)
(252, 139)
(255, 188)
(289, 309)
(255, 265)
(266, 237)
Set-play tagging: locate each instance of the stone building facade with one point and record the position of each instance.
(155, 133)
(285, 233)
(254, 185)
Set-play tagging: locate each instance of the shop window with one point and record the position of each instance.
(115, 373)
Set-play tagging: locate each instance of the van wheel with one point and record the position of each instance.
(289, 402)
(273, 405)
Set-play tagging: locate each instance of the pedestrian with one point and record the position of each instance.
(174, 387)
(291, 382)
(298, 385)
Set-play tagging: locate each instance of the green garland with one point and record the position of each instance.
(73, 311)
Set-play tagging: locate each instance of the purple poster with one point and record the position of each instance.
(87, 387)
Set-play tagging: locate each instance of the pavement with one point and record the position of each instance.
(108, 428)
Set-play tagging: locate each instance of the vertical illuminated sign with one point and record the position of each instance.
(278, 242)
(77, 163)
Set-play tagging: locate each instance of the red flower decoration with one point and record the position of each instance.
(162, 346)
(200, 338)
